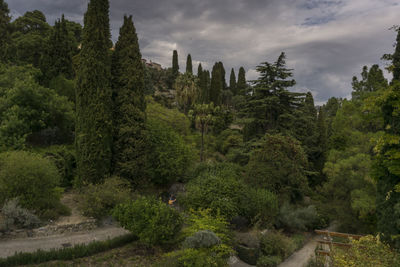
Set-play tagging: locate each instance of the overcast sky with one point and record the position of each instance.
(326, 41)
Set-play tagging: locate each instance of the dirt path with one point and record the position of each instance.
(10, 247)
(301, 257)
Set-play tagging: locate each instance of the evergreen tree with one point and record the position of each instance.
(4, 30)
(232, 82)
(93, 131)
(241, 83)
(175, 64)
(60, 52)
(189, 67)
(129, 145)
(396, 58)
(199, 71)
(371, 81)
(217, 83)
(322, 140)
(271, 106)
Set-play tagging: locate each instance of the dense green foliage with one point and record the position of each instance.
(218, 84)
(4, 30)
(93, 128)
(242, 83)
(149, 219)
(175, 64)
(99, 200)
(187, 91)
(129, 144)
(32, 179)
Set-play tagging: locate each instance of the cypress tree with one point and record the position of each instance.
(241, 83)
(4, 30)
(175, 64)
(232, 82)
(199, 70)
(93, 132)
(129, 155)
(217, 85)
(189, 67)
(396, 58)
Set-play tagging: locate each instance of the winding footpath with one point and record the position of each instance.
(10, 247)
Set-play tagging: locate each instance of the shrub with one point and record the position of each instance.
(268, 261)
(64, 159)
(369, 252)
(300, 219)
(204, 220)
(30, 178)
(259, 206)
(169, 156)
(194, 258)
(99, 200)
(218, 188)
(276, 244)
(202, 239)
(149, 219)
(15, 216)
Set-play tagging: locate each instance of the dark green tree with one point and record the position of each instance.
(241, 83)
(232, 82)
(217, 83)
(175, 64)
(396, 58)
(129, 144)
(322, 140)
(371, 81)
(4, 30)
(93, 131)
(271, 106)
(189, 66)
(199, 71)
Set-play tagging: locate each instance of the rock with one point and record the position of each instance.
(248, 255)
(248, 239)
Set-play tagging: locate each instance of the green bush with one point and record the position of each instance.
(259, 206)
(214, 190)
(202, 239)
(16, 217)
(169, 156)
(203, 219)
(64, 159)
(30, 178)
(194, 258)
(297, 219)
(276, 244)
(149, 219)
(268, 261)
(99, 200)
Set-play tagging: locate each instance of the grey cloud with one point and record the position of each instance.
(326, 41)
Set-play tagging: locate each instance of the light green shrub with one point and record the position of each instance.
(149, 219)
(16, 217)
(276, 244)
(32, 179)
(297, 219)
(268, 261)
(202, 239)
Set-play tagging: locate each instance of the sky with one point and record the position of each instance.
(326, 41)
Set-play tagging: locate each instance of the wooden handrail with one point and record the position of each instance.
(338, 244)
(336, 234)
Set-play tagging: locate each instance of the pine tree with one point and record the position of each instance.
(4, 30)
(241, 83)
(232, 82)
(189, 67)
(175, 64)
(129, 145)
(396, 59)
(93, 132)
(322, 140)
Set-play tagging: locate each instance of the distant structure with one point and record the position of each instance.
(151, 64)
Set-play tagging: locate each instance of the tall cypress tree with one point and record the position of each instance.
(129, 155)
(93, 132)
(4, 30)
(232, 82)
(189, 67)
(175, 64)
(241, 83)
(396, 59)
(217, 85)
(199, 70)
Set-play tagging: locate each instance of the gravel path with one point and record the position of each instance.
(10, 247)
(301, 257)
